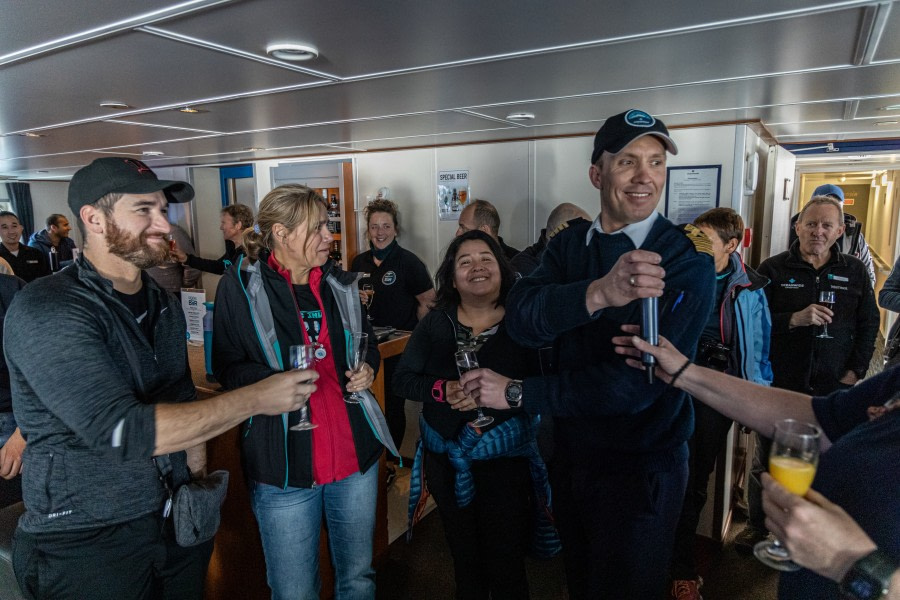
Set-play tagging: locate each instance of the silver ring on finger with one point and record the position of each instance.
(632, 281)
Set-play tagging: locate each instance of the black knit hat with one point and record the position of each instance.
(122, 176)
(622, 129)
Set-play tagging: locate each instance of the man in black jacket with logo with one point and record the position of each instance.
(802, 359)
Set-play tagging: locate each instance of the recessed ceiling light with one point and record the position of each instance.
(152, 153)
(43, 171)
(520, 116)
(254, 149)
(191, 110)
(886, 123)
(890, 107)
(293, 52)
(115, 105)
(32, 134)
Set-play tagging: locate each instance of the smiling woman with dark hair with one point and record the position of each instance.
(485, 479)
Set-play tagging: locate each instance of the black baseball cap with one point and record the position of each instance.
(121, 176)
(622, 129)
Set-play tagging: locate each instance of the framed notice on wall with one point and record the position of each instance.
(691, 191)
(452, 194)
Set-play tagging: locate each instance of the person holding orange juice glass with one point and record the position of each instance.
(857, 480)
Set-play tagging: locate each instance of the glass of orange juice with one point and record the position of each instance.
(792, 463)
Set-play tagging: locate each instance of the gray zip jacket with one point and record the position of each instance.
(87, 416)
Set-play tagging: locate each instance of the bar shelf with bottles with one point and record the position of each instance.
(335, 222)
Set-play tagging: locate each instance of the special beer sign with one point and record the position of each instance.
(452, 194)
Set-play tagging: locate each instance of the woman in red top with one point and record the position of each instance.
(293, 294)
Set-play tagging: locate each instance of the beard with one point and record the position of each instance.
(135, 250)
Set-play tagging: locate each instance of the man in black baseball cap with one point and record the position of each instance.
(620, 443)
(116, 175)
(115, 391)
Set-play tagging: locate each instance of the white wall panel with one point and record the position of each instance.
(410, 176)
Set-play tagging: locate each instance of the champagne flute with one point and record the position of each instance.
(303, 356)
(369, 291)
(356, 356)
(792, 463)
(466, 360)
(826, 299)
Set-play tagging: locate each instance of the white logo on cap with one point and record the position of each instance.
(638, 118)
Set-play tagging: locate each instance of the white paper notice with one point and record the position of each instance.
(690, 192)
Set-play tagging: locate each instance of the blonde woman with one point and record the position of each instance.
(296, 477)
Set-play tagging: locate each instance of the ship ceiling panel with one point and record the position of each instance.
(793, 133)
(876, 107)
(889, 44)
(139, 69)
(380, 37)
(572, 63)
(43, 20)
(401, 127)
(549, 75)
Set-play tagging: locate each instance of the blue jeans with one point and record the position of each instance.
(289, 524)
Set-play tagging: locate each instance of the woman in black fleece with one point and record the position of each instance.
(488, 531)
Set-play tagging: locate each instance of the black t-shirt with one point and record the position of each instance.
(139, 307)
(309, 311)
(28, 263)
(396, 281)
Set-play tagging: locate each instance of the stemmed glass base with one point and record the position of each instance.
(772, 554)
(482, 420)
(305, 424)
(353, 398)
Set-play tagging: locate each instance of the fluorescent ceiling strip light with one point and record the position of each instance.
(177, 37)
(819, 135)
(158, 126)
(162, 14)
(472, 113)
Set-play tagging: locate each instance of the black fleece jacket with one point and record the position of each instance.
(238, 360)
(800, 360)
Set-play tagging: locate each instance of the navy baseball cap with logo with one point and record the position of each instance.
(622, 129)
(121, 176)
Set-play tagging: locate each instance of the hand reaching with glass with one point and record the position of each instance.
(819, 534)
(792, 463)
(487, 387)
(303, 358)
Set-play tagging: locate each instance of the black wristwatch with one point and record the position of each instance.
(869, 577)
(514, 393)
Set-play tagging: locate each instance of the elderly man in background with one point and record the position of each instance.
(482, 215)
(803, 358)
(851, 241)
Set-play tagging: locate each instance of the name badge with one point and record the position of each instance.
(838, 278)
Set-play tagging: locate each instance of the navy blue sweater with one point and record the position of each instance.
(600, 404)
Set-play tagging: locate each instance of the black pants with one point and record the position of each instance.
(488, 539)
(133, 561)
(617, 528)
(760, 464)
(394, 405)
(710, 431)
